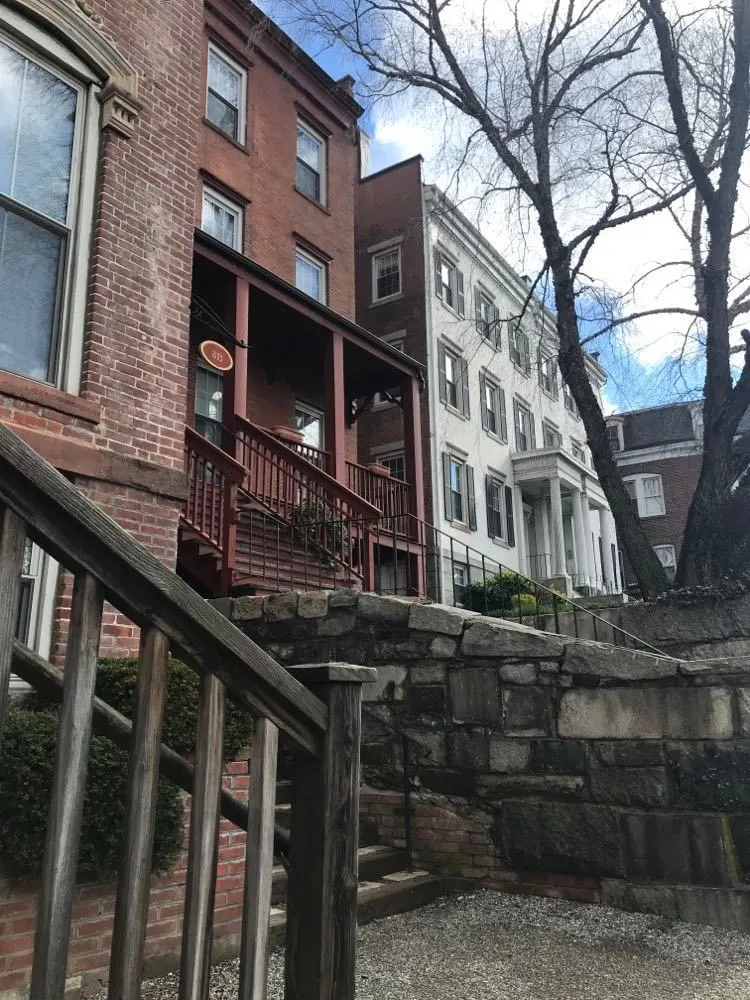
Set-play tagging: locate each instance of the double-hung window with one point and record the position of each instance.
(548, 375)
(614, 432)
(454, 379)
(552, 436)
(209, 403)
(647, 494)
(311, 275)
(578, 452)
(520, 348)
(449, 282)
(487, 316)
(570, 403)
(524, 425)
(494, 419)
(458, 486)
(386, 274)
(226, 86)
(311, 162)
(395, 463)
(222, 218)
(46, 146)
(499, 503)
(667, 557)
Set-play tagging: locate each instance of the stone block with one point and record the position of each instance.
(343, 598)
(564, 837)
(648, 713)
(729, 666)
(469, 749)
(313, 604)
(245, 609)
(661, 900)
(280, 607)
(404, 649)
(383, 610)
(390, 685)
(443, 646)
(426, 699)
(337, 623)
(501, 638)
(427, 673)
(558, 757)
(629, 753)
(518, 673)
(527, 711)
(728, 908)
(556, 786)
(710, 777)
(428, 748)
(629, 786)
(743, 710)
(474, 695)
(439, 618)
(595, 659)
(509, 756)
(675, 847)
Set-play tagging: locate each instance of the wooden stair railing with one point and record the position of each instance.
(322, 730)
(389, 495)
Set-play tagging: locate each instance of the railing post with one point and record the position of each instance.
(12, 542)
(322, 888)
(229, 539)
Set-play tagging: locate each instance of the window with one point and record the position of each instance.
(222, 218)
(225, 94)
(551, 435)
(394, 463)
(578, 452)
(308, 420)
(209, 403)
(520, 351)
(499, 498)
(458, 484)
(449, 282)
(487, 316)
(392, 395)
(454, 380)
(570, 403)
(37, 600)
(46, 146)
(460, 583)
(668, 559)
(548, 375)
(386, 274)
(312, 276)
(647, 494)
(492, 397)
(524, 422)
(613, 436)
(311, 163)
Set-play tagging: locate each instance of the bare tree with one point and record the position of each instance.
(549, 106)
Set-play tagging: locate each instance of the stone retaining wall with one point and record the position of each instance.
(544, 763)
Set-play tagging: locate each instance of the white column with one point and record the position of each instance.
(579, 535)
(608, 540)
(558, 530)
(587, 540)
(520, 530)
(541, 523)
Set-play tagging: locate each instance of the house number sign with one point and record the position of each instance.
(216, 355)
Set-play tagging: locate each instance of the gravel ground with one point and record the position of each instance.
(490, 946)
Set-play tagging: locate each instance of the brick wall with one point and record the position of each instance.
(94, 903)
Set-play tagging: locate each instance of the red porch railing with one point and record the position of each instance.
(389, 495)
(320, 459)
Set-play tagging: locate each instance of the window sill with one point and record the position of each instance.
(650, 517)
(451, 309)
(318, 204)
(500, 542)
(495, 437)
(456, 412)
(550, 395)
(386, 299)
(523, 371)
(49, 397)
(242, 146)
(461, 526)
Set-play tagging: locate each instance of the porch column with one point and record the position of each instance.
(579, 534)
(608, 540)
(588, 540)
(413, 469)
(541, 522)
(558, 531)
(520, 529)
(335, 406)
(241, 330)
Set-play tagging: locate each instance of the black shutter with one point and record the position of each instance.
(495, 317)
(483, 400)
(478, 309)
(447, 486)
(503, 425)
(436, 260)
(532, 432)
(443, 388)
(517, 425)
(488, 501)
(511, 539)
(471, 502)
(464, 380)
(460, 304)
(540, 363)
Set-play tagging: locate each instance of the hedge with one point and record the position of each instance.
(27, 757)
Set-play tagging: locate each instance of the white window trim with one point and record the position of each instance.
(618, 425)
(667, 546)
(457, 459)
(396, 248)
(322, 267)
(490, 382)
(546, 360)
(452, 261)
(640, 496)
(242, 109)
(231, 206)
(323, 143)
(517, 331)
(551, 426)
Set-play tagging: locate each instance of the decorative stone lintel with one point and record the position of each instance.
(119, 110)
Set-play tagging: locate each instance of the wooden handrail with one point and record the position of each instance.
(390, 495)
(232, 469)
(80, 535)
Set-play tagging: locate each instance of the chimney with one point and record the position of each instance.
(347, 84)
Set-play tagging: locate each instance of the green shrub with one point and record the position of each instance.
(116, 682)
(27, 757)
(525, 602)
(496, 594)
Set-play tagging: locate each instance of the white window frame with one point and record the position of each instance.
(385, 252)
(499, 483)
(548, 375)
(241, 72)
(456, 286)
(615, 425)
(397, 340)
(43, 48)
(42, 572)
(520, 356)
(301, 254)
(389, 456)
(486, 319)
(576, 446)
(491, 388)
(463, 490)
(570, 403)
(669, 564)
(645, 509)
(548, 426)
(322, 142)
(523, 409)
(211, 194)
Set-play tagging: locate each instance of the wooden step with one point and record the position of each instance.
(375, 864)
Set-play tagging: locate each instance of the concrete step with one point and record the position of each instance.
(375, 863)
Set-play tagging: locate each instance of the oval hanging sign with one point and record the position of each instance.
(216, 355)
